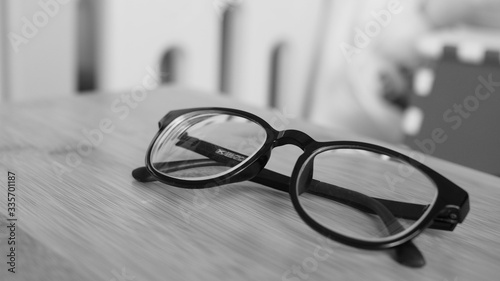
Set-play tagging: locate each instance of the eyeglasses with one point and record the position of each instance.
(356, 193)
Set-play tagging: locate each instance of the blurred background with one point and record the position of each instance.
(416, 73)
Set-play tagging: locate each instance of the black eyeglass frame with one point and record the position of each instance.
(451, 204)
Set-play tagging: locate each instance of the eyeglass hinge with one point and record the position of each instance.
(447, 219)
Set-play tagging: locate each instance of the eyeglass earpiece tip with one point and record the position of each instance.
(142, 174)
(409, 255)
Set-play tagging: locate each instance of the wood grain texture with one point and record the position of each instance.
(95, 222)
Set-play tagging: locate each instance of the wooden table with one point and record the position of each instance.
(81, 215)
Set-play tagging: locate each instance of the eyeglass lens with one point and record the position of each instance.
(369, 177)
(230, 138)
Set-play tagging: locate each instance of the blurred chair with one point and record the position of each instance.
(454, 110)
(258, 51)
(178, 37)
(270, 53)
(455, 116)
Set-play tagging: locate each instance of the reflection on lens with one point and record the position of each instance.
(347, 190)
(204, 145)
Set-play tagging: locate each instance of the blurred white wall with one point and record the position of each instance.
(38, 50)
(3, 68)
(348, 88)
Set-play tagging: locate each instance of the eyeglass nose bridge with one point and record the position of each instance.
(294, 137)
(301, 140)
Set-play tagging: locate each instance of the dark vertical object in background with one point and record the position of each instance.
(460, 118)
(226, 48)
(170, 66)
(87, 45)
(275, 74)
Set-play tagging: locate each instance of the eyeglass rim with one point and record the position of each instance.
(237, 175)
(379, 243)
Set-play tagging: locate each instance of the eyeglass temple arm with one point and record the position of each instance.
(218, 155)
(407, 253)
(281, 182)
